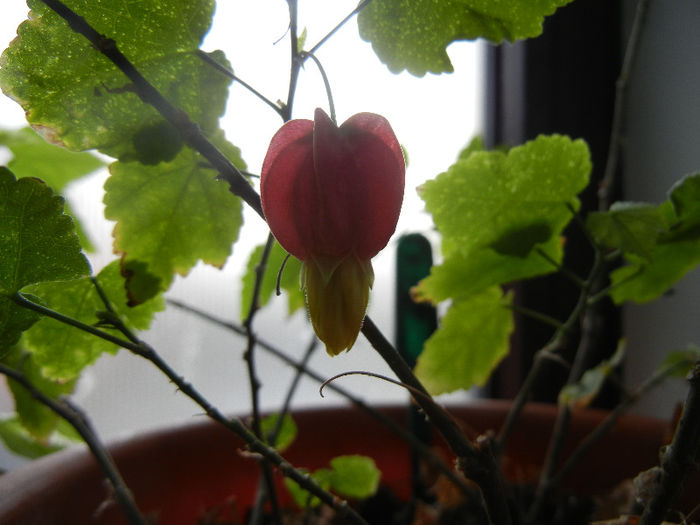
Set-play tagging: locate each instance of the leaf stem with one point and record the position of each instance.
(580, 283)
(331, 106)
(538, 316)
(333, 31)
(229, 73)
(78, 420)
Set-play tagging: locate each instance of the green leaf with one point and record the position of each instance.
(642, 281)
(686, 210)
(75, 97)
(19, 441)
(62, 351)
(13, 321)
(472, 339)
(32, 156)
(39, 420)
(629, 226)
(351, 476)
(500, 212)
(675, 253)
(37, 240)
(475, 144)
(287, 432)
(288, 282)
(681, 362)
(170, 216)
(414, 34)
(583, 392)
(354, 476)
(302, 497)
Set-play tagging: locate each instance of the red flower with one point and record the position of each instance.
(331, 196)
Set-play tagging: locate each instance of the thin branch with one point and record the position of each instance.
(229, 73)
(582, 449)
(333, 31)
(608, 182)
(189, 131)
(561, 268)
(555, 343)
(254, 444)
(249, 354)
(537, 316)
(296, 61)
(22, 301)
(476, 461)
(235, 425)
(414, 391)
(249, 357)
(680, 458)
(359, 403)
(75, 417)
(271, 438)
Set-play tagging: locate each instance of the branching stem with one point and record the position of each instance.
(75, 417)
(476, 461)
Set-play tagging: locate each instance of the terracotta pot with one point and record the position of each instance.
(178, 473)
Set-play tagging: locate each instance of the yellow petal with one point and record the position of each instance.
(337, 300)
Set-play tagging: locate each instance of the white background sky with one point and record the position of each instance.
(433, 117)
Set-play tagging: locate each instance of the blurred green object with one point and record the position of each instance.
(415, 323)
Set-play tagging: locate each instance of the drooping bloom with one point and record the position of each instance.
(331, 196)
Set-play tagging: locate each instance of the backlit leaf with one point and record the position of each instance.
(472, 339)
(582, 393)
(287, 431)
(630, 227)
(414, 34)
(37, 240)
(354, 476)
(62, 351)
(289, 281)
(19, 441)
(37, 418)
(680, 363)
(171, 215)
(32, 156)
(13, 321)
(500, 212)
(74, 96)
(675, 252)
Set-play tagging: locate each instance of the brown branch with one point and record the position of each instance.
(74, 416)
(680, 458)
(476, 461)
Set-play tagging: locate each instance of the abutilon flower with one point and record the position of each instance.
(331, 196)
